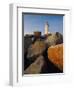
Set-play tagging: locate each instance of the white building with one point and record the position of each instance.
(46, 28)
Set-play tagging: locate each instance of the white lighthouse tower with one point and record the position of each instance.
(46, 28)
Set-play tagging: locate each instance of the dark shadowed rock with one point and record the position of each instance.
(36, 66)
(54, 38)
(36, 49)
(27, 42)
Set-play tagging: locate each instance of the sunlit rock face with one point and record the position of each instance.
(36, 66)
(54, 38)
(36, 49)
(55, 55)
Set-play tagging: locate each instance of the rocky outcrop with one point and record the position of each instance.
(36, 66)
(55, 55)
(36, 49)
(43, 54)
(53, 39)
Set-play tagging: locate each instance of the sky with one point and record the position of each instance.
(36, 22)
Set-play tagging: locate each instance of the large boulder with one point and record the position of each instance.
(55, 55)
(54, 38)
(36, 66)
(36, 49)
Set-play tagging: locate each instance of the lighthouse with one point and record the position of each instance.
(46, 28)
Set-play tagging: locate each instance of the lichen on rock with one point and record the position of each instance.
(54, 38)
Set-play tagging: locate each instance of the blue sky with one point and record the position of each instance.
(36, 22)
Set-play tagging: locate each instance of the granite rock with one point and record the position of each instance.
(53, 39)
(55, 55)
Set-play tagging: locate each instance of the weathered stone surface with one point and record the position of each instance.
(27, 42)
(36, 49)
(55, 55)
(35, 67)
(53, 39)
